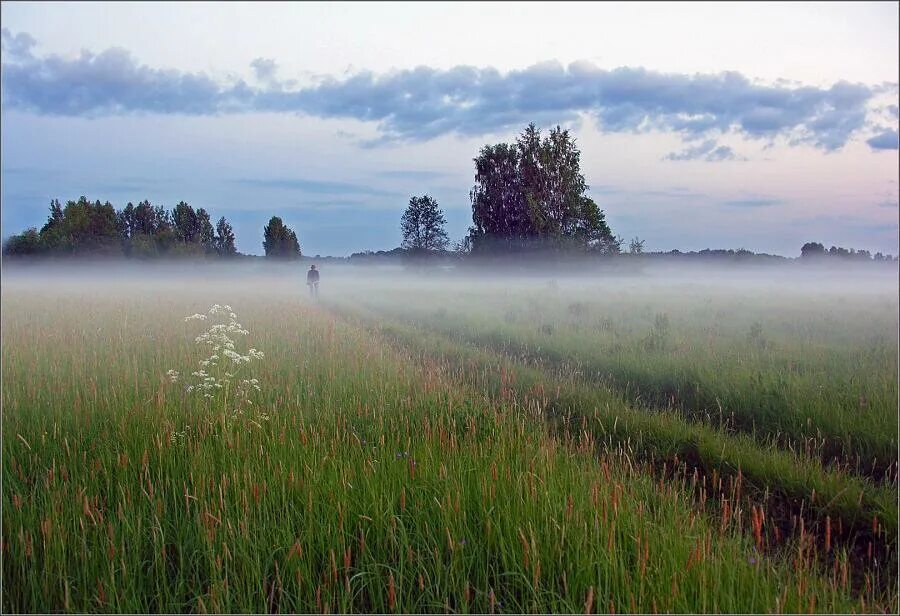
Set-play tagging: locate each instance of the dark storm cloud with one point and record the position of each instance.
(423, 103)
(885, 140)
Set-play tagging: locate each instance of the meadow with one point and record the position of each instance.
(446, 443)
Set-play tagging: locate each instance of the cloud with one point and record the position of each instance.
(423, 103)
(315, 186)
(756, 202)
(891, 203)
(672, 192)
(413, 175)
(709, 151)
(18, 46)
(605, 189)
(264, 69)
(885, 140)
(108, 83)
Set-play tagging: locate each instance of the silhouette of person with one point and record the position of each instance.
(312, 281)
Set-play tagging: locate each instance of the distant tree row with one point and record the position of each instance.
(88, 228)
(815, 250)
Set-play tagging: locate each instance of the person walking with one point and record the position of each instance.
(312, 281)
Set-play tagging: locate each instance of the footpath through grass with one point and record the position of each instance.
(823, 505)
(821, 380)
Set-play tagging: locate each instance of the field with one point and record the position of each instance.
(449, 443)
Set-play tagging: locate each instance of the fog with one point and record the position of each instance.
(664, 281)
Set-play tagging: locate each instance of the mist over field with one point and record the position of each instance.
(557, 279)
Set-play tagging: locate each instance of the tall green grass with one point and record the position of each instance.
(380, 483)
(806, 371)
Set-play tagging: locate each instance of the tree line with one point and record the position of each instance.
(97, 229)
(815, 250)
(86, 228)
(528, 196)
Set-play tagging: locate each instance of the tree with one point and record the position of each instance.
(422, 225)
(224, 241)
(52, 234)
(500, 217)
(145, 219)
(636, 246)
(531, 194)
(27, 243)
(279, 241)
(206, 235)
(812, 249)
(187, 225)
(82, 227)
(126, 225)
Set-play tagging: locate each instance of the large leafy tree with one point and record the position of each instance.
(422, 226)
(531, 194)
(500, 217)
(279, 241)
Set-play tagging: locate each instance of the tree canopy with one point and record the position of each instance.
(85, 228)
(422, 226)
(531, 195)
(279, 241)
(224, 241)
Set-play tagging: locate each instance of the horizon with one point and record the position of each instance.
(308, 113)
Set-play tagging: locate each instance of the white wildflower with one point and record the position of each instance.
(214, 381)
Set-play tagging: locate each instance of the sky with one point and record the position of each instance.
(735, 125)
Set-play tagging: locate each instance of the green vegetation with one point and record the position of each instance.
(531, 195)
(818, 379)
(397, 459)
(280, 241)
(83, 228)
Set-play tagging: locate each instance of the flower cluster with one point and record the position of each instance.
(216, 379)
